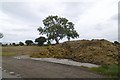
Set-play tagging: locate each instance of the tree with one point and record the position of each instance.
(10, 44)
(21, 43)
(29, 42)
(116, 42)
(56, 28)
(13, 44)
(70, 32)
(40, 40)
(48, 43)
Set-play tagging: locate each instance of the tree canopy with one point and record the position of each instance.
(29, 42)
(40, 40)
(13, 44)
(56, 28)
(21, 43)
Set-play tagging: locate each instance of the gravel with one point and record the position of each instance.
(66, 61)
(6, 74)
(60, 61)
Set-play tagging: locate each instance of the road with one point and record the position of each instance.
(28, 68)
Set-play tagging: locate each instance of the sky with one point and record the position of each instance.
(93, 19)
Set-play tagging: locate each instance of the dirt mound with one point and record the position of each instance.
(93, 51)
(51, 51)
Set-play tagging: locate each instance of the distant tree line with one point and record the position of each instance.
(38, 41)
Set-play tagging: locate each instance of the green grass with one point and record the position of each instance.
(110, 70)
(84, 66)
(7, 54)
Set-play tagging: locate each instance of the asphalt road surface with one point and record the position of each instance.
(28, 68)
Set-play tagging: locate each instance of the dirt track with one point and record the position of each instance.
(38, 69)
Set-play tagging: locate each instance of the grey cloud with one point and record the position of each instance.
(74, 9)
(18, 10)
(99, 27)
(20, 30)
(115, 17)
(16, 36)
(29, 21)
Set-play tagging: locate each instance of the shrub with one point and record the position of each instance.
(40, 40)
(116, 42)
(29, 42)
(21, 43)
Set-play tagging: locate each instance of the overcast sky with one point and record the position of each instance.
(93, 19)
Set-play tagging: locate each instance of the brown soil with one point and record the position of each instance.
(92, 51)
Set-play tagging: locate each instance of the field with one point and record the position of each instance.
(20, 50)
(100, 52)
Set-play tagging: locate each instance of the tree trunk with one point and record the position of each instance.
(57, 41)
(68, 38)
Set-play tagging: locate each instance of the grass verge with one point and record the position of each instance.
(109, 70)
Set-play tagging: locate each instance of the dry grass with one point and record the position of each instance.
(7, 54)
(21, 50)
